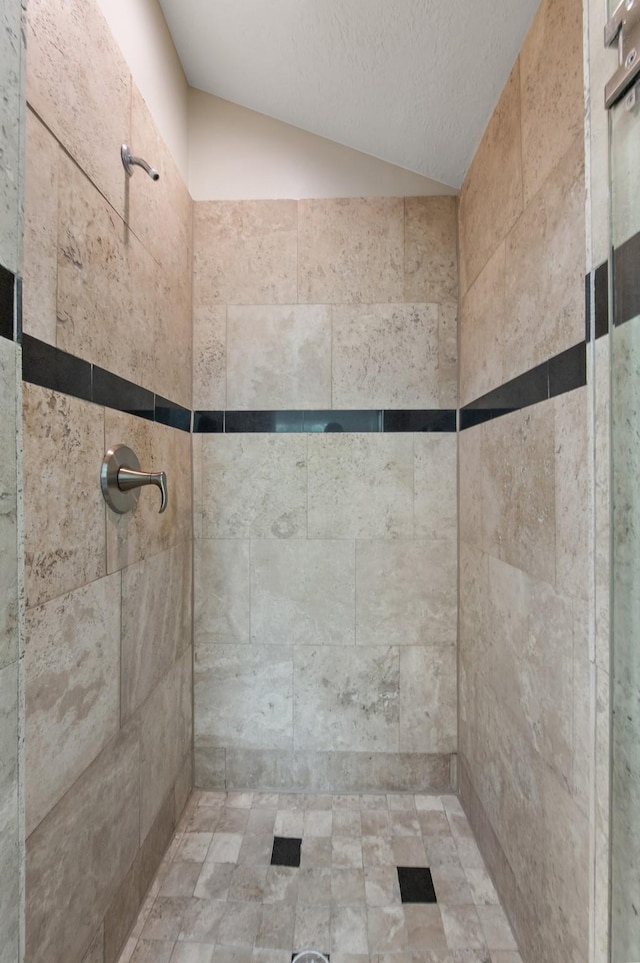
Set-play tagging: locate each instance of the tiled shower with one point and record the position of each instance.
(352, 609)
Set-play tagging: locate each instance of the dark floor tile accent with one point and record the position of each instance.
(7, 287)
(626, 281)
(568, 370)
(419, 420)
(263, 421)
(208, 422)
(286, 851)
(49, 367)
(601, 300)
(330, 421)
(114, 392)
(175, 416)
(416, 885)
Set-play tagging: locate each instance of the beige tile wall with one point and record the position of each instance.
(108, 626)
(325, 584)
(526, 501)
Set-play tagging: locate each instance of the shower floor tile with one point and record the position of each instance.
(218, 897)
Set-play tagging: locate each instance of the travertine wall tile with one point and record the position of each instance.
(278, 357)
(360, 486)
(482, 331)
(209, 357)
(351, 250)
(434, 481)
(491, 196)
(573, 494)
(40, 259)
(448, 355)
(11, 854)
(222, 594)
(303, 592)
(552, 90)
(78, 83)
(8, 505)
(470, 468)
(430, 249)
(156, 621)
(245, 252)
(347, 699)
(72, 691)
(255, 486)
(386, 356)
(64, 527)
(428, 699)
(11, 123)
(352, 772)
(406, 592)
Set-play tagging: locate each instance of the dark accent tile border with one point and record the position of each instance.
(286, 851)
(416, 885)
(47, 366)
(233, 422)
(562, 373)
(601, 300)
(7, 301)
(175, 416)
(626, 281)
(114, 392)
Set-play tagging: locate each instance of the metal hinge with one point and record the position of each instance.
(623, 30)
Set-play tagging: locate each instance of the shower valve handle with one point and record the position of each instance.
(121, 480)
(129, 479)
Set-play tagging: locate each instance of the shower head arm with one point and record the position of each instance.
(129, 162)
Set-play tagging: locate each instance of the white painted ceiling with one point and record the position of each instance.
(412, 82)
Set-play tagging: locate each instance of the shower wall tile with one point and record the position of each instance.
(11, 59)
(10, 819)
(386, 356)
(491, 196)
(243, 696)
(406, 592)
(40, 258)
(482, 330)
(303, 592)
(247, 768)
(260, 486)
(99, 822)
(552, 90)
(448, 354)
(549, 300)
(471, 486)
(144, 532)
(72, 692)
(245, 252)
(352, 772)
(573, 494)
(360, 486)
(163, 746)
(209, 357)
(278, 357)
(222, 600)
(64, 518)
(347, 699)
(79, 84)
(351, 250)
(156, 621)
(95, 953)
(8, 506)
(430, 249)
(428, 699)
(435, 490)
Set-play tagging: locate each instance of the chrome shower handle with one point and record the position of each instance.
(130, 479)
(121, 479)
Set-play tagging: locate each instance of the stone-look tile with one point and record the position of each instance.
(496, 928)
(99, 821)
(165, 919)
(387, 930)
(370, 771)
(181, 879)
(200, 953)
(63, 523)
(351, 250)
(165, 738)
(209, 764)
(428, 699)
(292, 582)
(209, 357)
(435, 489)
(79, 84)
(214, 880)
(462, 927)
(221, 591)
(552, 90)
(276, 926)
(144, 532)
(9, 400)
(346, 699)
(313, 927)
(573, 494)
(430, 249)
(482, 330)
(491, 196)
(349, 930)
(40, 258)
(156, 621)
(518, 489)
(245, 252)
(243, 696)
(72, 693)
(381, 885)
(279, 357)
(448, 355)
(360, 486)
(470, 470)
(544, 270)
(385, 356)
(406, 592)
(152, 951)
(240, 924)
(254, 485)
(95, 953)
(11, 122)
(11, 853)
(424, 927)
(259, 767)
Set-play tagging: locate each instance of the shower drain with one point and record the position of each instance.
(310, 956)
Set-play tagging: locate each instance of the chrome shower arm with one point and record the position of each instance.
(129, 162)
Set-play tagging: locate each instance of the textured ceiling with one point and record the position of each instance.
(413, 82)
